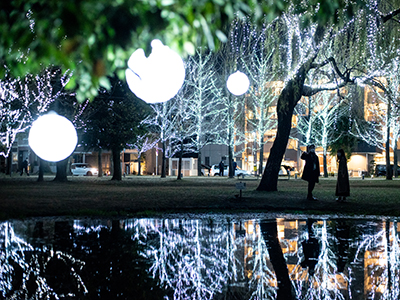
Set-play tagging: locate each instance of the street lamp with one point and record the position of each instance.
(156, 78)
(238, 83)
(52, 137)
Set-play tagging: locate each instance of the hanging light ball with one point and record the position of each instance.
(238, 83)
(156, 78)
(52, 137)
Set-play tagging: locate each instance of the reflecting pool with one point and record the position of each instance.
(201, 257)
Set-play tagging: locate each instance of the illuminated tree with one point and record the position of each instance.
(162, 123)
(316, 49)
(182, 125)
(143, 143)
(202, 100)
(231, 108)
(317, 120)
(23, 100)
(263, 92)
(382, 129)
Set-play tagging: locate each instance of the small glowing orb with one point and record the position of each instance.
(52, 137)
(156, 78)
(238, 83)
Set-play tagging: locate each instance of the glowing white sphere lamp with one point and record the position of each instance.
(52, 137)
(238, 83)
(156, 78)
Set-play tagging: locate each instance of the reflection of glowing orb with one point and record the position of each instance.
(156, 78)
(238, 83)
(52, 137)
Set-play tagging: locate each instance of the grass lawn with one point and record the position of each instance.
(22, 197)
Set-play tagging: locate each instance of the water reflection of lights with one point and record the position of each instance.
(216, 256)
(21, 262)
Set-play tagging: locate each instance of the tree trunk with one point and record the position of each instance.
(9, 164)
(389, 175)
(325, 165)
(287, 100)
(230, 164)
(180, 162)
(199, 163)
(395, 171)
(388, 167)
(261, 162)
(139, 166)
(61, 175)
(117, 172)
(289, 97)
(270, 235)
(100, 163)
(163, 172)
(41, 170)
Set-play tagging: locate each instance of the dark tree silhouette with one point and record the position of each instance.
(112, 121)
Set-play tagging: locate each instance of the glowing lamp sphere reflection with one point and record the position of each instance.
(238, 83)
(156, 78)
(52, 137)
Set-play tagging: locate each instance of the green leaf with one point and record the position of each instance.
(105, 82)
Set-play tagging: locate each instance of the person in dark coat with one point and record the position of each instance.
(311, 249)
(342, 184)
(221, 168)
(311, 170)
(25, 167)
(234, 166)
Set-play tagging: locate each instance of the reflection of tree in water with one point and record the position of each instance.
(200, 259)
(27, 272)
(195, 259)
(325, 282)
(377, 251)
(261, 274)
(270, 233)
(91, 263)
(352, 261)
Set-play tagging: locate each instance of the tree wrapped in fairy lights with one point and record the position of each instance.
(24, 99)
(317, 121)
(143, 143)
(310, 49)
(263, 92)
(381, 128)
(162, 122)
(203, 103)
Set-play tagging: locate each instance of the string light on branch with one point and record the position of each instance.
(156, 78)
(52, 137)
(238, 83)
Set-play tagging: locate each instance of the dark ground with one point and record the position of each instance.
(22, 197)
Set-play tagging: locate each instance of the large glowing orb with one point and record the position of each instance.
(238, 83)
(52, 137)
(156, 78)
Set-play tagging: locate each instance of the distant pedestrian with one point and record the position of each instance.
(234, 166)
(221, 168)
(25, 166)
(311, 170)
(342, 184)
